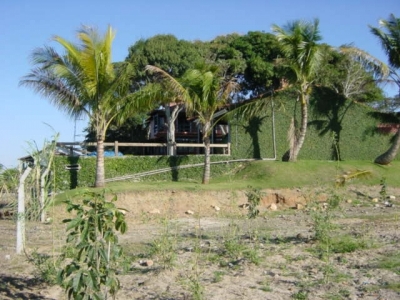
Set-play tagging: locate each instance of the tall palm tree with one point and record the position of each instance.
(209, 91)
(389, 37)
(203, 90)
(303, 55)
(83, 81)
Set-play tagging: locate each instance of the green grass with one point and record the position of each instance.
(391, 262)
(271, 174)
(347, 243)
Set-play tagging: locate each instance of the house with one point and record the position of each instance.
(187, 131)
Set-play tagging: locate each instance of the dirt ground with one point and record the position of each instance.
(275, 256)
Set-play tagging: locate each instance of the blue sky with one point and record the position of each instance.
(30, 24)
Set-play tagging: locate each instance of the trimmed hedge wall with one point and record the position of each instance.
(128, 165)
(355, 128)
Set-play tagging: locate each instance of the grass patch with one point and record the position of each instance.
(391, 262)
(347, 244)
(394, 286)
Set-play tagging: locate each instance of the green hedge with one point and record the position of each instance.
(128, 165)
(358, 139)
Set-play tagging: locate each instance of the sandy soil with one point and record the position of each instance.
(272, 257)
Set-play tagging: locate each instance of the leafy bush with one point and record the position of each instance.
(91, 271)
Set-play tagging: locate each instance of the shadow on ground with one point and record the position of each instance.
(20, 288)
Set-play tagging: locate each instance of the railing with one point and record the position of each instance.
(70, 145)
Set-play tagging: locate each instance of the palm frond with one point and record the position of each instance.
(370, 63)
(60, 94)
(341, 180)
(299, 43)
(171, 84)
(389, 37)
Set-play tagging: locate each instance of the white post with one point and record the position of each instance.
(21, 211)
(43, 195)
(43, 191)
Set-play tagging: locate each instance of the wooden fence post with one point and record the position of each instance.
(116, 148)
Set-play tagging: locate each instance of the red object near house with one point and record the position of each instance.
(388, 128)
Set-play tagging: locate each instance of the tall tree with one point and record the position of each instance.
(299, 43)
(203, 90)
(174, 56)
(166, 52)
(250, 58)
(389, 37)
(209, 91)
(83, 81)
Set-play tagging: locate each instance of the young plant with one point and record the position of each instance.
(324, 228)
(383, 191)
(192, 281)
(164, 248)
(91, 271)
(46, 266)
(254, 197)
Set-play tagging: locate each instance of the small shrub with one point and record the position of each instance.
(165, 247)
(218, 276)
(253, 256)
(91, 273)
(383, 191)
(300, 295)
(323, 225)
(234, 248)
(254, 197)
(46, 266)
(195, 287)
(266, 286)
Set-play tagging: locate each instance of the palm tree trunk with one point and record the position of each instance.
(387, 157)
(206, 141)
(171, 145)
(206, 172)
(303, 129)
(171, 118)
(170, 131)
(100, 174)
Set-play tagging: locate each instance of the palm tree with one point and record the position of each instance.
(83, 81)
(209, 91)
(389, 37)
(299, 43)
(161, 92)
(203, 90)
